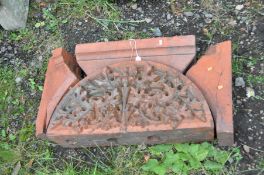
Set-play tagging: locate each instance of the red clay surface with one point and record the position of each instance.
(190, 129)
(177, 51)
(213, 75)
(62, 73)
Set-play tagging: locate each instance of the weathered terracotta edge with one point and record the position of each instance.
(161, 42)
(61, 91)
(165, 136)
(224, 124)
(41, 120)
(181, 47)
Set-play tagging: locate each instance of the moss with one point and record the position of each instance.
(244, 66)
(7, 92)
(1, 36)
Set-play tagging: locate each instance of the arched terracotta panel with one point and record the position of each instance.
(132, 103)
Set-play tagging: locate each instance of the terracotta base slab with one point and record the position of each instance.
(177, 52)
(62, 73)
(187, 132)
(213, 75)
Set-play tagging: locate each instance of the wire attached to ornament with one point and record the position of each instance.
(138, 58)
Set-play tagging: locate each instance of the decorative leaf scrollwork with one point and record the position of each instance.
(131, 95)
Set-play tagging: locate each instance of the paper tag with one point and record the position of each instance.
(160, 42)
(138, 58)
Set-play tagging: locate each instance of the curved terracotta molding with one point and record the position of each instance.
(213, 75)
(177, 51)
(62, 73)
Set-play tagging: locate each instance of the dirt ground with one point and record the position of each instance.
(247, 35)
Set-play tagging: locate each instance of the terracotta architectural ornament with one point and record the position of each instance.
(213, 75)
(177, 51)
(62, 73)
(145, 99)
(129, 93)
(135, 92)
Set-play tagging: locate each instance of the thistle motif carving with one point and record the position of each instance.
(130, 95)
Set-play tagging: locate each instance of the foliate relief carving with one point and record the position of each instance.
(136, 94)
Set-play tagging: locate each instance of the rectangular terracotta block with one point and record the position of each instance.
(213, 75)
(62, 73)
(177, 52)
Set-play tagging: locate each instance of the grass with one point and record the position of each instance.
(124, 35)
(255, 79)
(240, 63)
(1, 36)
(8, 95)
(10, 106)
(17, 141)
(55, 15)
(84, 7)
(102, 11)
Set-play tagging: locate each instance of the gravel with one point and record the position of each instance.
(208, 15)
(18, 80)
(239, 7)
(148, 20)
(134, 6)
(169, 16)
(246, 148)
(9, 48)
(239, 82)
(3, 49)
(157, 32)
(188, 14)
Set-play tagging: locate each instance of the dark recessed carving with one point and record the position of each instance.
(134, 94)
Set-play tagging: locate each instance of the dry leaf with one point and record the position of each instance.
(146, 157)
(205, 31)
(16, 169)
(43, 4)
(29, 164)
(250, 92)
